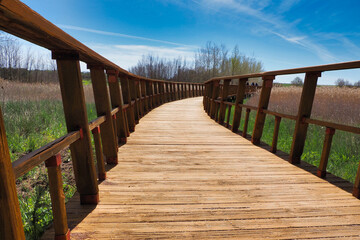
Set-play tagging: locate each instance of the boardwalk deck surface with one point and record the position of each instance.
(183, 176)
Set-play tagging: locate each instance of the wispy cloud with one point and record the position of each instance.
(269, 22)
(286, 5)
(127, 56)
(70, 27)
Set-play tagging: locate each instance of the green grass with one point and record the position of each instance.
(345, 151)
(30, 125)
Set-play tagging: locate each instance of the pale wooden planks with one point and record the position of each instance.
(183, 176)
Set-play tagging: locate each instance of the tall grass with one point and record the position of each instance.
(33, 116)
(331, 104)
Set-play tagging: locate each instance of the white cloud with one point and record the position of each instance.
(127, 56)
(70, 27)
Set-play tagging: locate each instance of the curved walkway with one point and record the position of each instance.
(183, 176)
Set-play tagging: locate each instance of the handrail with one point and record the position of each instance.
(216, 92)
(27, 162)
(319, 68)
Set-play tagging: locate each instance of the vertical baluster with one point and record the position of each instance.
(214, 96)
(246, 122)
(263, 104)
(228, 116)
(276, 134)
(224, 94)
(240, 95)
(145, 98)
(57, 198)
(120, 119)
(73, 99)
(99, 154)
(305, 106)
(134, 99)
(329, 133)
(127, 100)
(102, 105)
(139, 98)
(11, 226)
(149, 92)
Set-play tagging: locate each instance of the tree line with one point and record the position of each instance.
(24, 66)
(209, 61)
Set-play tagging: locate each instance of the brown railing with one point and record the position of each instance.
(215, 104)
(121, 99)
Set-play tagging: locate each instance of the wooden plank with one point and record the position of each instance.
(184, 176)
(11, 226)
(73, 99)
(305, 106)
(103, 107)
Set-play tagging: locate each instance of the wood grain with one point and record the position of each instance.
(183, 176)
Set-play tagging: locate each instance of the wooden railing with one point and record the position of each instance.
(215, 104)
(121, 99)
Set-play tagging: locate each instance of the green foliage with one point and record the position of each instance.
(30, 125)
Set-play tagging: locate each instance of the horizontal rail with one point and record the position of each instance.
(97, 122)
(282, 115)
(319, 68)
(33, 159)
(341, 127)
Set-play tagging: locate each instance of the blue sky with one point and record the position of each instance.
(282, 33)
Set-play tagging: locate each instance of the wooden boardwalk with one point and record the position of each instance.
(183, 176)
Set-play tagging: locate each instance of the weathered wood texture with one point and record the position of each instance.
(183, 176)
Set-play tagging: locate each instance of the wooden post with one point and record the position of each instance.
(214, 95)
(209, 97)
(228, 116)
(117, 102)
(73, 99)
(149, 92)
(178, 96)
(11, 226)
(276, 134)
(139, 98)
(99, 154)
(240, 95)
(356, 189)
(127, 100)
(224, 94)
(305, 106)
(156, 98)
(263, 104)
(246, 122)
(57, 198)
(329, 133)
(133, 94)
(171, 96)
(145, 100)
(102, 104)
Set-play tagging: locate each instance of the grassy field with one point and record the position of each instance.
(33, 115)
(331, 104)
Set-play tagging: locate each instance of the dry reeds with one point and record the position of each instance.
(18, 91)
(334, 104)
